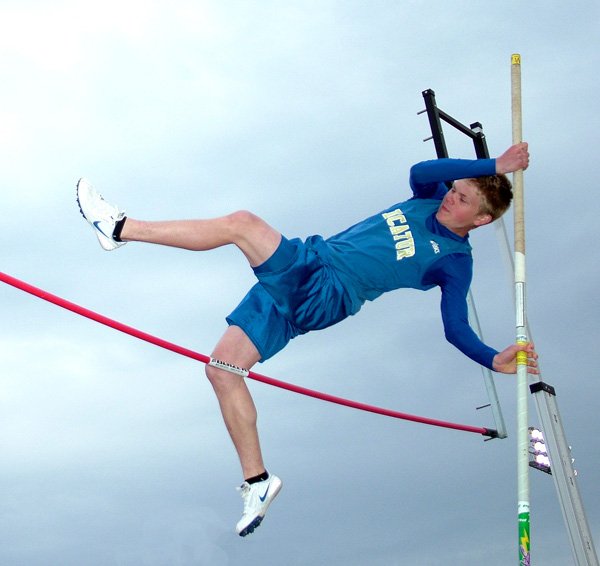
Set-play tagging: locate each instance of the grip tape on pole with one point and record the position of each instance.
(522, 355)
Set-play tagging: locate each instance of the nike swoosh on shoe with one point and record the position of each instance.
(264, 496)
(97, 226)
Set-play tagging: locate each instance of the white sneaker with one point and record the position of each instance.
(101, 216)
(257, 498)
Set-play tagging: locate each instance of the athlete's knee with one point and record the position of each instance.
(235, 350)
(222, 381)
(243, 221)
(217, 377)
(253, 236)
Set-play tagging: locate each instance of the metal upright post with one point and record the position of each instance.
(435, 124)
(564, 475)
(475, 132)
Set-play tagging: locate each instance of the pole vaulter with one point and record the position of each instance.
(82, 311)
(311, 284)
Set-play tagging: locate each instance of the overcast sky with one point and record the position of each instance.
(113, 451)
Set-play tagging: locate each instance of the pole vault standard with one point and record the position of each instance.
(40, 293)
(475, 133)
(521, 332)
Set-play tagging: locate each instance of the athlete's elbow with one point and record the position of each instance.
(416, 173)
(452, 336)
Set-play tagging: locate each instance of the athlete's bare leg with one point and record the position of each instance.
(237, 406)
(257, 241)
(252, 235)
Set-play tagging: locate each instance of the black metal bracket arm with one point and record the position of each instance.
(436, 116)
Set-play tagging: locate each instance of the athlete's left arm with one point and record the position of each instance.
(428, 177)
(453, 274)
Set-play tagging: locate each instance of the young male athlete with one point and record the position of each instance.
(302, 286)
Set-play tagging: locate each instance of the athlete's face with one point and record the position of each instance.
(460, 210)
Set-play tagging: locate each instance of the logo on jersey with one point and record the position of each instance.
(435, 246)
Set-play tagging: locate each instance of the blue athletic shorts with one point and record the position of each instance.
(298, 290)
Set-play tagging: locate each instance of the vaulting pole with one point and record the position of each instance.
(521, 336)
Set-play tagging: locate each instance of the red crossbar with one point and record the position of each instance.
(253, 375)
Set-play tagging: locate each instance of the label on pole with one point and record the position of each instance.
(524, 554)
(520, 305)
(519, 267)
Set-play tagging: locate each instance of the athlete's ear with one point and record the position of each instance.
(482, 220)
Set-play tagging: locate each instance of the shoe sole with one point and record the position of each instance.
(82, 185)
(77, 199)
(253, 525)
